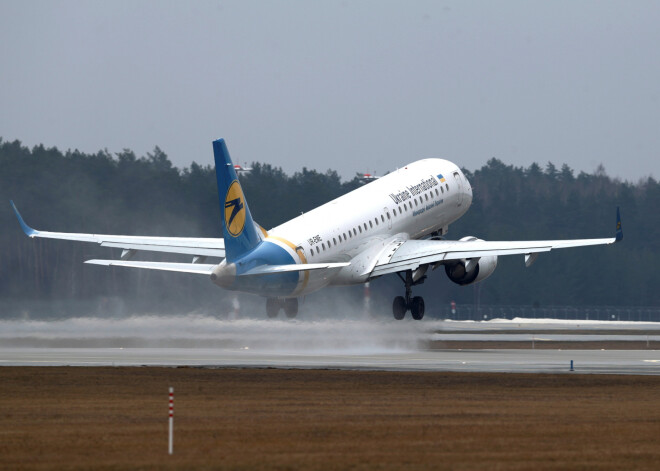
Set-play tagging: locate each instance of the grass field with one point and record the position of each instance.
(116, 418)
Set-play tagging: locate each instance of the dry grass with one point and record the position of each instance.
(116, 418)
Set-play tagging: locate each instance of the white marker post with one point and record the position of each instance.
(171, 438)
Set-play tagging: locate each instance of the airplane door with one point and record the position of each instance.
(459, 186)
(301, 254)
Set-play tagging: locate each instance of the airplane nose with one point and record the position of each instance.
(468, 195)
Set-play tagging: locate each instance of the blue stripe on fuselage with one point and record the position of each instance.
(266, 253)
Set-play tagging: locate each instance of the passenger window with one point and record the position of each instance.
(365, 226)
(360, 227)
(371, 224)
(427, 197)
(323, 245)
(388, 215)
(443, 190)
(400, 210)
(318, 250)
(447, 186)
(436, 192)
(345, 236)
(376, 221)
(354, 232)
(416, 203)
(382, 218)
(334, 241)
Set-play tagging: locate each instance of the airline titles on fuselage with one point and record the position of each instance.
(400, 197)
(414, 190)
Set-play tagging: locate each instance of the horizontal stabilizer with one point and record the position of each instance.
(272, 269)
(199, 268)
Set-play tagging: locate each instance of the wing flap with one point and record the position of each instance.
(170, 246)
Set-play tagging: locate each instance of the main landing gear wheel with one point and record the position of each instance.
(272, 307)
(417, 308)
(291, 307)
(415, 304)
(399, 308)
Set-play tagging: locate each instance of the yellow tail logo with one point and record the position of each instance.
(235, 209)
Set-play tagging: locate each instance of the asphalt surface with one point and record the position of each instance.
(513, 361)
(365, 344)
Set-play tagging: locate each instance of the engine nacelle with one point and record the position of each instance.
(467, 271)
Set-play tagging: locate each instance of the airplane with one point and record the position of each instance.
(241, 170)
(393, 225)
(367, 177)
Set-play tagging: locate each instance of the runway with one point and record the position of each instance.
(365, 344)
(504, 361)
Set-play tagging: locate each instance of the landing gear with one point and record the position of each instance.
(415, 304)
(290, 306)
(399, 308)
(272, 307)
(417, 308)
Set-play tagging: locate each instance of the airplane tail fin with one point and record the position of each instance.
(240, 231)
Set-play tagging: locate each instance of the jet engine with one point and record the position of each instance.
(471, 270)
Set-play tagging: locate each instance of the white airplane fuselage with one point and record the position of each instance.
(413, 202)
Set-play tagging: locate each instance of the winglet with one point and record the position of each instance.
(27, 229)
(619, 228)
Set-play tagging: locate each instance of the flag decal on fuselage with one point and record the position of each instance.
(235, 209)
(441, 178)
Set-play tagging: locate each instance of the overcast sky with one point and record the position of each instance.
(352, 86)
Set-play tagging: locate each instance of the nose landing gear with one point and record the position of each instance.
(414, 304)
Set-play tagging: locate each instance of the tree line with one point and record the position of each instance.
(122, 193)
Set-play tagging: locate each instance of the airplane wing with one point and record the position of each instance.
(198, 247)
(411, 254)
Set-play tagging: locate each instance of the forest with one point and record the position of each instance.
(124, 193)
